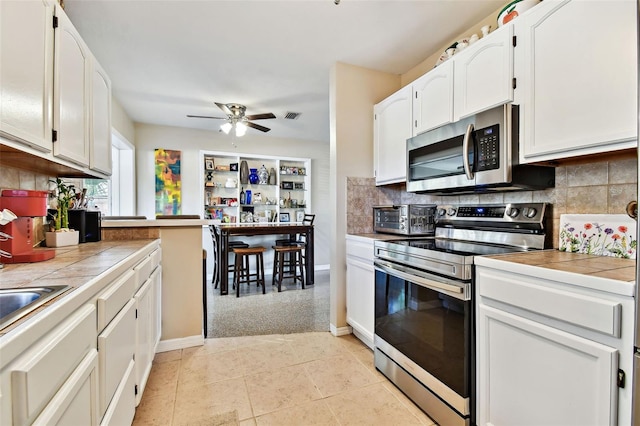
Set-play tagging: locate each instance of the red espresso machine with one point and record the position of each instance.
(26, 205)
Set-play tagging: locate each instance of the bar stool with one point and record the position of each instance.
(241, 272)
(294, 262)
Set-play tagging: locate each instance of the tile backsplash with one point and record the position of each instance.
(12, 178)
(587, 187)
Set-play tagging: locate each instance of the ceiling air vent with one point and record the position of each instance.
(292, 115)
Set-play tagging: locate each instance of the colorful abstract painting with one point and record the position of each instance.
(168, 183)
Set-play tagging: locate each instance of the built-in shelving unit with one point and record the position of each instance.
(284, 197)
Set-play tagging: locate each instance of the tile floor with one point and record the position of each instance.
(309, 378)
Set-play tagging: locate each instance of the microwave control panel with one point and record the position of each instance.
(488, 143)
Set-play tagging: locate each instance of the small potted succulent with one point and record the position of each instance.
(61, 235)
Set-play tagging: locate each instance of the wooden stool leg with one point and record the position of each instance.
(275, 267)
(261, 276)
(301, 265)
(237, 273)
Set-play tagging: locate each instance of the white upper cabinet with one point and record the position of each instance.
(483, 74)
(71, 93)
(100, 116)
(26, 74)
(433, 98)
(576, 68)
(392, 127)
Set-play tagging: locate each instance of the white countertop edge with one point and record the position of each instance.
(156, 223)
(606, 285)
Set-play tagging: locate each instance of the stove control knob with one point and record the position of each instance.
(529, 212)
(451, 211)
(513, 212)
(441, 212)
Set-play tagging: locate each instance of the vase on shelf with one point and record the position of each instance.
(272, 176)
(263, 175)
(244, 172)
(253, 176)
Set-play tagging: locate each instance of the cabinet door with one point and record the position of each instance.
(433, 98)
(529, 373)
(71, 88)
(360, 290)
(392, 128)
(483, 74)
(100, 115)
(144, 337)
(576, 65)
(76, 403)
(26, 70)
(116, 347)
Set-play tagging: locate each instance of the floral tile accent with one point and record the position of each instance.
(611, 235)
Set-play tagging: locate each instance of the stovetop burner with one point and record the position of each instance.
(463, 232)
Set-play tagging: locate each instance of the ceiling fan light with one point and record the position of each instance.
(226, 128)
(241, 129)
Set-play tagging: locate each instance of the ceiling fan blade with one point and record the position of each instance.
(205, 116)
(224, 108)
(257, 126)
(260, 116)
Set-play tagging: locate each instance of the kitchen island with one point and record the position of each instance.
(182, 295)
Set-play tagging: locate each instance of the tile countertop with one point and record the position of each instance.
(603, 273)
(142, 223)
(75, 266)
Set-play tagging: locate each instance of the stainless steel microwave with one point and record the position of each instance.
(476, 154)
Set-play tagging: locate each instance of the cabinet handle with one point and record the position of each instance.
(465, 152)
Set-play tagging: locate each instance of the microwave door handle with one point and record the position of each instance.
(465, 151)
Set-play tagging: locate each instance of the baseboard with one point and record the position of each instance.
(342, 331)
(183, 342)
(364, 338)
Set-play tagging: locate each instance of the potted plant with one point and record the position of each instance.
(61, 235)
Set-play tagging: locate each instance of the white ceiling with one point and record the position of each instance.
(167, 59)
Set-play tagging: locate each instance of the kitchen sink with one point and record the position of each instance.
(18, 302)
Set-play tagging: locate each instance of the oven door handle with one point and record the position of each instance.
(438, 286)
(465, 151)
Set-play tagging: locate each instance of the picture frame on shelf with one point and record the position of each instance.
(302, 171)
(286, 185)
(233, 167)
(209, 164)
(284, 217)
(299, 215)
(298, 185)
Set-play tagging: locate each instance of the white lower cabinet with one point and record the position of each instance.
(549, 351)
(75, 403)
(534, 374)
(116, 346)
(360, 288)
(54, 371)
(123, 409)
(145, 346)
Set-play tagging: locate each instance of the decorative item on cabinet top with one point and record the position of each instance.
(513, 9)
(289, 170)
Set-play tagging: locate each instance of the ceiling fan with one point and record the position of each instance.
(236, 118)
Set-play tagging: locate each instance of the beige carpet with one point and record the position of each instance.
(229, 418)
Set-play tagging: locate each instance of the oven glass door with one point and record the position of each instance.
(431, 328)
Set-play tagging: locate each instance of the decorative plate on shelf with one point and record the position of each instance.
(611, 235)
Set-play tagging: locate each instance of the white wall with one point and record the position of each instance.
(191, 142)
(353, 92)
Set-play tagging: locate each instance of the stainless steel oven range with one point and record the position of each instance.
(424, 310)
